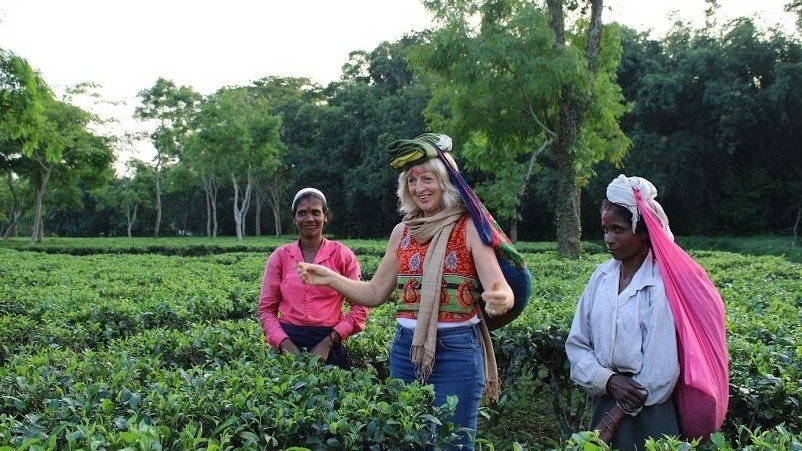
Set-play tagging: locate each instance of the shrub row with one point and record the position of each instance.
(212, 384)
(151, 312)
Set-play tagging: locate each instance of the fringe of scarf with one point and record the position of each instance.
(492, 382)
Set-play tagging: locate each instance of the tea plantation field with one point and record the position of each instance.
(154, 344)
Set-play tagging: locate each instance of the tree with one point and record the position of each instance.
(241, 129)
(295, 100)
(204, 163)
(376, 102)
(14, 189)
(68, 144)
(181, 188)
(126, 194)
(496, 87)
(171, 106)
(84, 166)
(24, 97)
(716, 126)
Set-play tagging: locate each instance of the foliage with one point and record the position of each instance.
(171, 107)
(23, 98)
(715, 126)
(111, 340)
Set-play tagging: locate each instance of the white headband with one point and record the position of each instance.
(619, 191)
(307, 190)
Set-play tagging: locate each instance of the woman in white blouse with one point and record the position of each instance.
(622, 344)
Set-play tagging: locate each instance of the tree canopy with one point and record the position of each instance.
(544, 101)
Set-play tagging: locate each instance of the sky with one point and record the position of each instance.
(124, 46)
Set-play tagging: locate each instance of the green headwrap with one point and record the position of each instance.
(405, 153)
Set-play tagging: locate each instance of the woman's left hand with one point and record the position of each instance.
(498, 299)
(322, 349)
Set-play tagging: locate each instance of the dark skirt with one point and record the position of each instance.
(651, 421)
(306, 337)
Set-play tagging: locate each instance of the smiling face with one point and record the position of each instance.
(309, 217)
(622, 242)
(424, 187)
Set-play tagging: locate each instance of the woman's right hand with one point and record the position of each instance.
(288, 347)
(629, 394)
(315, 274)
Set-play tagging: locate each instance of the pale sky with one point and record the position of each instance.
(126, 45)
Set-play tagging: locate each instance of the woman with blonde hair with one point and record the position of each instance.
(436, 263)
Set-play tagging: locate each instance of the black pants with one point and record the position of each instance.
(651, 421)
(306, 337)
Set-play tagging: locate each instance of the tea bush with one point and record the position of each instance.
(105, 350)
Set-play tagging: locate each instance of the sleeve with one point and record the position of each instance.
(354, 321)
(269, 300)
(586, 370)
(660, 369)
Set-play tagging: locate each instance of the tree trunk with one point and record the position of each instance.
(208, 210)
(572, 108)
(12, 227)
(237, 217)
(246, 209)
(241, 207)
(796, 226)
(131, 218)
(210, 188)
(257, 222)
(569, 227)
(514, 230)
(273, 195)
(38, 229)
(524, 183)
(158, 198)
(277, 221)
(40, 234)
(14, 212)
(214, 213)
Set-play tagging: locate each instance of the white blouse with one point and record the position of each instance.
(629, 332)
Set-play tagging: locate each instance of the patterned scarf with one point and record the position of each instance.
(437, 228)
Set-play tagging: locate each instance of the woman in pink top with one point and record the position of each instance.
(298, 317)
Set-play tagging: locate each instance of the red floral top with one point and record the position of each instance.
(461, 290)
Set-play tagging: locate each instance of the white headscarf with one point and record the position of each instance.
(304, 191)
(619, 191)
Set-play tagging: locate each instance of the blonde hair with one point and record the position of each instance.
(451, 197)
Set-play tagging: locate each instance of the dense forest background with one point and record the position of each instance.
(712, 116)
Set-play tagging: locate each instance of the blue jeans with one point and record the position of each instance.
(459, 370)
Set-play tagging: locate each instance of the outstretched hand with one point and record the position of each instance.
(629, 394)
(314, 274)
(498, 299)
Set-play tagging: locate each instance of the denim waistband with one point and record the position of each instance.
(460, 330)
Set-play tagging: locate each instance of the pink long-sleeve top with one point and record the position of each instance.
(284, 298)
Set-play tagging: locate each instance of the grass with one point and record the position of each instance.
(783, 246)
(755, 245)
(523, 419)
